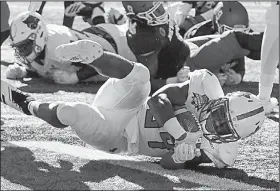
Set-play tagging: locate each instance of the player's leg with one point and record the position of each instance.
(91, 124)
(129, 84)
(269, 57)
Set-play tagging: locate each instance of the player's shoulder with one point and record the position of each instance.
(200, 74)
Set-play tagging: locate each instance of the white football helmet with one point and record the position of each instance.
(29, 34)
(235, 116)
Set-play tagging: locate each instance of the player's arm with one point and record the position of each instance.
(168, 162)
(191, 21)
(162, 105)
(176, 93)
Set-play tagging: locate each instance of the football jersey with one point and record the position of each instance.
(155, 141)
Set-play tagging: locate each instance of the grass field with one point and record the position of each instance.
(24, 167)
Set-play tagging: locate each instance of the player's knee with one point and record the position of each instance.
(75, 114)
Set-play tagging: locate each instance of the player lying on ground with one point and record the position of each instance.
(121, 115)
(166, 53)
(35, 43)
(232, 16)
(269, 54)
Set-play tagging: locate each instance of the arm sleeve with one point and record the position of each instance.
(240, 67)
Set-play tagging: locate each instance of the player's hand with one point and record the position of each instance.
(184, 152)
(16, 71)
(63, 77)
(116, 17)
(73, 9)
(233, 78)
(183, 74)
(222, 78)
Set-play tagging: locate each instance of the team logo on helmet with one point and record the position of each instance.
(198, 101)
(129, 9)
(31, 22)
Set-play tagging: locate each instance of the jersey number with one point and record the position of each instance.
(167, 140)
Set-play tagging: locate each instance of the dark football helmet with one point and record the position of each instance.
(233, 15)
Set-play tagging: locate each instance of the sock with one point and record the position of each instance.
(265, 86)
(33, 106)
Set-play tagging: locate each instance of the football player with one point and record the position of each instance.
(165, 53)
(121, 117)
(232, 16)
(35, 41)
(269, 56)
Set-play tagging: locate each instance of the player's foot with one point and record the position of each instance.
(15, 98)
(270, 104)
(84, 51)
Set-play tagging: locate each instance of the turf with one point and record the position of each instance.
(257, 163)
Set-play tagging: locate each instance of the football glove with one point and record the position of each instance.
(115, 17)
(233, 78)
(16, 71)
(222, 77)
(73, 9)
(182, 76)
(63, 77)
(184, 152)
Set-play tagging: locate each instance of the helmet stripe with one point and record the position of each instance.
(250, 113)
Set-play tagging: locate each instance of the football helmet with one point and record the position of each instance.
(233, 15)
(151, 12)
(233, 117)
(28, 33)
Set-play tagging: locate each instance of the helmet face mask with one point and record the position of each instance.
(217, 123)
(223, 28)
(154, 16)
(231, 118)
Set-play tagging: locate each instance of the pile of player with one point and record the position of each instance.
(188, 120)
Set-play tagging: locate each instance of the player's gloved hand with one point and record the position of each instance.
(63, 77)
(182, 76)
(116, 17)
(184, 152)
(222, 78)
(233, 78)
(73, 9)
(210, 13)
(16, 71)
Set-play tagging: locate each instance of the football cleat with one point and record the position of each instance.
(15, 98)
(83, 51)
